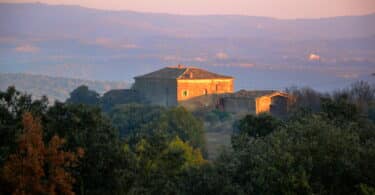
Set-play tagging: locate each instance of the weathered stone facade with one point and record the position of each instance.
(173, 85)
(188, 89)
(275, 104)
(157, 91)
(256, 102)
(196, 89)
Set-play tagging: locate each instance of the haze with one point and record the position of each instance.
(270, 8)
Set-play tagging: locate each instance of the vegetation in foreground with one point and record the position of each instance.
(325, 146)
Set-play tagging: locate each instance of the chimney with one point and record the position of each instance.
(191, 75)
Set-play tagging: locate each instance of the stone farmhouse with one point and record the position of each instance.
(198, 89)
(172, 85)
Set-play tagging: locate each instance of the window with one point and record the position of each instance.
(185, 93)
(205, 92)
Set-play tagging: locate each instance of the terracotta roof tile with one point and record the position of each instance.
(197, 73)
(165, 73)
(254, 93)
(180, 72)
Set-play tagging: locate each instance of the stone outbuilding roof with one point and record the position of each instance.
(255, 93)
(182, 72)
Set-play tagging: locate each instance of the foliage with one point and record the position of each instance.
(323, 153)
(252, 127)
(86, 127)
(371, 113)
(37, 168)
(206, 179)
(138, 122)
(82, 95)
(215, 116)
(366, 190)
(12, 106)
(360, 93)
(340, 110)
(132, 118)
(179, 122)
(305, 98)
(329, 150)
(158, 166)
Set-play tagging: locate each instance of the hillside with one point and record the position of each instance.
(51, 20)
(78, 42)
(54, 87)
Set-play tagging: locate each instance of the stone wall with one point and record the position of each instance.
(188, 89)
(275, 104)
(237, 105)
(279, 106)
(158, 91)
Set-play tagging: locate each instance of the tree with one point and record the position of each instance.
(138, 122)
(159, 165)
(252, 127)
(36, 168)
(180, 122)
(340, 110)
(311, 155)
(86, 126)
(360, 93)
(305, 98)
(12, 106)
(82, 95)
(211, 178)
(131, 118)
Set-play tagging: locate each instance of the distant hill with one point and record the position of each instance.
(53, 87)
(260, 52)
(36, 19)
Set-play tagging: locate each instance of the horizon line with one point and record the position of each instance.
(181, 15)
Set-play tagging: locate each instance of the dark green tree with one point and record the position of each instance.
(131, 118)
(12, 106)
(160, 164)
(340, 110)
(309, 156)
(251, 127)
(86, 127)
(138, 122)
(82, 95)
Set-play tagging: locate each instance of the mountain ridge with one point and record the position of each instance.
(174, 14)
(55, 88)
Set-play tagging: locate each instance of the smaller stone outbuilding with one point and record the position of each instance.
(255, 102)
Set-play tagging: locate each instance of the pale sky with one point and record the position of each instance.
(270, 8)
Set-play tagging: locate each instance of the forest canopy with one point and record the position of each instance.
(326, 145)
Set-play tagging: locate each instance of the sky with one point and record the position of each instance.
(285, 9)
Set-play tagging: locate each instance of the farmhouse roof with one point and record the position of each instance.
(182, 72)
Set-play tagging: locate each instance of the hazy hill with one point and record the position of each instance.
(49, 20)
(55, 88)
(262, 53)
